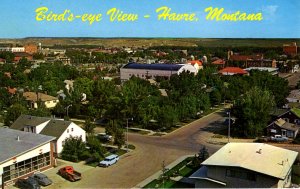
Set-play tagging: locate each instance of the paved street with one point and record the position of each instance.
(147, 158)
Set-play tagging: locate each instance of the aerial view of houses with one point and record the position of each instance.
(137, 94)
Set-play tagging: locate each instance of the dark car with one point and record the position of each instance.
(29, 183)
(42, 179)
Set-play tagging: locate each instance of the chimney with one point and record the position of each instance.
(259, 151)
(18, 138)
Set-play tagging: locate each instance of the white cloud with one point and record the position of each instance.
(269, 12)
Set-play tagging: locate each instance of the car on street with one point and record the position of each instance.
(42, 179)
(69, 173)
(109, 160)
(29, 183)
(279, 138)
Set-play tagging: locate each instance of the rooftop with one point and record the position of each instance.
(296, 111)
(55, 128)
(169, 67)
(32, 96)
(258, 157)
(285, 125)
(11, 147)
(28, 120)
(232, 70)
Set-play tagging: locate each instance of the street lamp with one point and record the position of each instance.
(127, 133)
(229, 121)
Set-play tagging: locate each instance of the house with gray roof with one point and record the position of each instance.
(57, 128)
(22, 154)
(246, 165)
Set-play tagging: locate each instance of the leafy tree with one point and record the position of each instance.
(215, 97)
(113, 128)
(89, 127)
(252, 112)
(73, 148)
(95, 146)
(14, 112)
(203, 154)
(40, 112)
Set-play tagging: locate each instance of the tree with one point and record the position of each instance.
(14, 112)
(203, 154)
(95, 147)
(89, 127)
(40, 112)
(113, 128)
(72, 149)
(252, 112)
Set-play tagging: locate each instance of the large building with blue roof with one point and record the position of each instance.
(150, 71)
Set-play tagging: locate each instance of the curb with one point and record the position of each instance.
(219, 110)
(158, 173)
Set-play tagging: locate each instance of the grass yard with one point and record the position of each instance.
(296, 174)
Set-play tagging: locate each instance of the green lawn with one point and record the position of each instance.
(296, 174)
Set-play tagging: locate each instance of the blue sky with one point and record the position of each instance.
(281, 19)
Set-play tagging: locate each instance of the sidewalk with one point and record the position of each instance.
(158, 173)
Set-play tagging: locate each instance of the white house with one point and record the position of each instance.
(59, 129)
(22, 154)
(246, 165)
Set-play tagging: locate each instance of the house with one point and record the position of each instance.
(246, 165)
(294, 96)
(220, 63)
(34, 97)
(196, 63)
(59, 129)
(22, 154)
(233, 71)
(291, 116)
(283, 128)
(150, 71)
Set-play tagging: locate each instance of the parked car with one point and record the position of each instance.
(108, 161)
(69, 173)
(29, 183)
(42, 179)
(104, 137)
(279, 138)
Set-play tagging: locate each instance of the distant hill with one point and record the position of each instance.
(148, 42)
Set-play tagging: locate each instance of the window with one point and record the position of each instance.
(72, 129)
(67, 130)
(241, 174)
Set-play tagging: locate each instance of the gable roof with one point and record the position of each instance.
(258, 157)
(285, 125)
(11, 147)
(55, 128)
(219, 62)
(32, 96)
(28, 120)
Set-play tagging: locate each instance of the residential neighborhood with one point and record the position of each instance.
(166, 116)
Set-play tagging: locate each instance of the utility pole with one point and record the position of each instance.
(229, 122)
(127, 133)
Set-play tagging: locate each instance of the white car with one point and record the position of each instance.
(109, 160)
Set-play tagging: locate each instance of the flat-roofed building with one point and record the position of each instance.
(22, 154)
(150, 71)
(246, 165)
